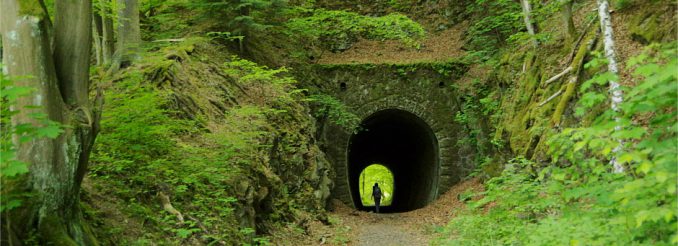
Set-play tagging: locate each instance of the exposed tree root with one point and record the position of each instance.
(167, 206)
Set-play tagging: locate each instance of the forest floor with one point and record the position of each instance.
(436, 47)
(417, 227)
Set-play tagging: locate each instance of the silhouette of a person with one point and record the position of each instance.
(376, 195)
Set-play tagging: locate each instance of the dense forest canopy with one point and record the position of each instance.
(228, 122)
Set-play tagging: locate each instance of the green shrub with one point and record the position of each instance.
(497, 22)
(330, 26)
(242, 16)
(136, 128)
(335, 111)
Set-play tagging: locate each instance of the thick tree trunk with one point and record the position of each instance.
(129, 34)
(72, 32)
(57, 166)
(108, 45)
(527, 12)
(615, 91)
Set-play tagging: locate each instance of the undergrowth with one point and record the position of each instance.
(233, 179)
(577, 199)
(331, 26)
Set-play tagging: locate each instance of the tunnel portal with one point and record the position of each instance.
(407, 146)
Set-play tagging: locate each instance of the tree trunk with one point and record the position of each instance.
(108, 39)
(615, 91)
(566, 9)
(243, 30)
(97, 28)
(527, 12)
(60, 79)
(129, 34)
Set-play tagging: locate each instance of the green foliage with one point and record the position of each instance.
(227, 36)
(401, 5)
(137, 154)
(623, 4)
(11, 169)
(341, 235)
(250, 233)
(242, 16)
(335, 111)
(136, 127)
(163, 19)
(330, 26)
(578, 200)
(376, 173)
(212, 173)
(249, 72)
(500, 23)
(497, 21)
(479, 108)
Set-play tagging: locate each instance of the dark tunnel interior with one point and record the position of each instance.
(407, 146)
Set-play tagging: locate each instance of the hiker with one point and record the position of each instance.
(376, 195)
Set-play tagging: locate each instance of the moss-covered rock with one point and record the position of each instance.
(229, 141)
(654, 23)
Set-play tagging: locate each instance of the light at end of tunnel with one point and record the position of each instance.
(376, 173)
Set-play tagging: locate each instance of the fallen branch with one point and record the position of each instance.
(551, 98)
(558, 76)
(169, 40)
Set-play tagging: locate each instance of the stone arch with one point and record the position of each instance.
(449, 170)
(374, 88)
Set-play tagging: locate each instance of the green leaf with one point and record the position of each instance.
(52, 130)
(559, 176)
(661, 176)
(626, 158)
(14, 168)
(184, 233)
(10, 204)
(645, 167)
(641, 217)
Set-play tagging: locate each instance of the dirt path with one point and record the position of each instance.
(387, 230)
(351, 227)
(411, 228)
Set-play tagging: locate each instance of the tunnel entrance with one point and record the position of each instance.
(406, 145)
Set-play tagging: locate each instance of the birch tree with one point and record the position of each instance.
(615, 91)
(527, 12)
(60, 79)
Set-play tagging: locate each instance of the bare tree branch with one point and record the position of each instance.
(558, 76)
